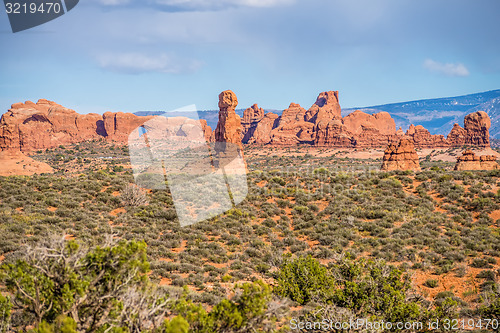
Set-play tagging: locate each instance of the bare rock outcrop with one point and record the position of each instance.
(29, 126)
(323, 126)
(292, 128)
(264, 129)
(229, 126)
(401, 156)
(476, 131)
(470, 161)
(251, 118)
(228, 146)
(358, 120)
(422, 138)
(326, 108)
(118, 126)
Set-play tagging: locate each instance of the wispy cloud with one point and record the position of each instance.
(448, 69)
(137, 63)
(112, 2)
(195, 5)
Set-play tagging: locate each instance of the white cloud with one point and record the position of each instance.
(196, 5)
(137, 63)
(448, 69)
(113, 2)
(222, 3)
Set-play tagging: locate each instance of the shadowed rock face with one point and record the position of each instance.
(251, 118)
(469, 161)
(401, 156)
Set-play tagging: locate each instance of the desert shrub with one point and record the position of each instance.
(487, 274)
(5, 313)
(246, 312)
(303, 279)
(431, 283)
(491, 307)
(480, 263)
(134, 196)
(61, 278)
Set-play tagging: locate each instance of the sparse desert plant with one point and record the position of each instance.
(134, 196)
(431, 283)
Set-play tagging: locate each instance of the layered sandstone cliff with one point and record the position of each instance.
(469, 161)
(401, 156)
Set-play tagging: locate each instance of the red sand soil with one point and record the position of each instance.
(117, 211)
(15, 163)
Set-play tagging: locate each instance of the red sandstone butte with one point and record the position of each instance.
(401, 156)
(469, 161)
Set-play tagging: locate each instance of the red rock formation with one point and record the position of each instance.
(370, 130)
(333, 134)
(401, 156)
(291, 128)
(229, 126)
(326, 108)
(469, 161)
(228, 146)
(322, 125)
(118, 126)
(251, 118)
(252, 114)
(422, 138)
(263, 129)
(382, 121)
(295, 113)
(475, 132)
(29, 126)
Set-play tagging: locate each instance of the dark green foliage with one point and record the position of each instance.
(5, 313)
(246, 312)
(303, 279)
(60, 278)
(431, 283)
(370, 287)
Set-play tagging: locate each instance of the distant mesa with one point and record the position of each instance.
(401, 156)
(469, 161)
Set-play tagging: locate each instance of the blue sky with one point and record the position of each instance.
(130, 55)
